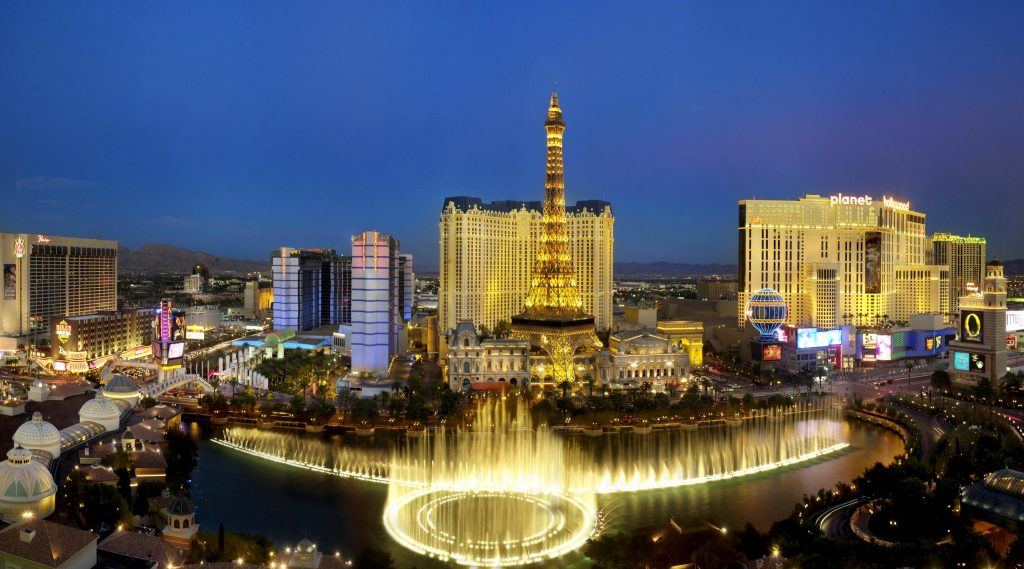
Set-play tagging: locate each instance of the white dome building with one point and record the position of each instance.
(25, 486)
(101, 410)
(122, 387)
(38, 434)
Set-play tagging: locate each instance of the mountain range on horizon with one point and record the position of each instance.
(159, 257)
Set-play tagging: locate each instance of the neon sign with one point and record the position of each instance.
(895, 204)
(63, 331)
(840, 199)
(19, 247)
(42, 238)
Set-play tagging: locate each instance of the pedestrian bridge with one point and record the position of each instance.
(157, 389)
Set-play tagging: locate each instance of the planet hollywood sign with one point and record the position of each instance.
(840, 199)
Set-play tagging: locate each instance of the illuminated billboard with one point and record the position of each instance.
(972, 326)
(929, 344)
(883, 348)
(1011, 341)
(771, 352)
(814, 338)
(966, 361)
(10, 281)
(175, 350)
(873, 262)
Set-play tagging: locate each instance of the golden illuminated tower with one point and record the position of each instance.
(554, 320)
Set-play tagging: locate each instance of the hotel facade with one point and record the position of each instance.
(965, 257)
(840, 260)
(46, 276)
(488, 254)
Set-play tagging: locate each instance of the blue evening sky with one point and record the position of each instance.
(236, 127)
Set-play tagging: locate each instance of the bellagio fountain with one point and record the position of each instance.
(502, 491)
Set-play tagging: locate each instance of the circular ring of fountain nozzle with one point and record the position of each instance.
(550, 525)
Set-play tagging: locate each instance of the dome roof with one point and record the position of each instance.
(99, 408)
(23, 479)
(121, 384)
(36, 433)
(305, 546)
(181, 506)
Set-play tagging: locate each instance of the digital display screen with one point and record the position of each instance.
(873, 262)
(929, 344)
(1011, 341)
(10, 281)
(772, 353)
(883, 348)
(966, 361)
(176, 350)
(814, 338)
(972, 323)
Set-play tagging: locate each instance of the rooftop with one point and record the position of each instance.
(50, 545)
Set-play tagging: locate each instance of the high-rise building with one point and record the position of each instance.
(46, 276)
(488, 252)
(965, 258)
(553, 319)
(979, 351)
(839, 260)
(257, 297)
(194, 284)
(83, 343)
(312, 288)
(716, 290)
(382, 291)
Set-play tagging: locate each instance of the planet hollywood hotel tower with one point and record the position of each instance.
(839, 260)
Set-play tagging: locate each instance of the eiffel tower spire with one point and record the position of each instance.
(553, 319)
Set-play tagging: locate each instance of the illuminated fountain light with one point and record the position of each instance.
(489, 528)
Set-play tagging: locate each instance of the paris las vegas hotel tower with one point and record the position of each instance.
(489, 253)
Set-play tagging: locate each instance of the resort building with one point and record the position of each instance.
(82, 343)
(965, 258)
(312, 288)
(46, 276)
(382, 295)
(472, 360)
(979, 350)
(488, 254)
(839, 260)
(637, 358)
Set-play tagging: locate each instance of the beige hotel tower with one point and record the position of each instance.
(840, 260)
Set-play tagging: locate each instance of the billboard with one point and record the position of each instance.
(972, 326)
(966, 361)
(929, 344)
(883, 348)
(10, 281)
(771, 352)
(873, 262)
(814, 338)
(1011, 341)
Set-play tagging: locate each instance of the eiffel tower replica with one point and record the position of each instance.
(553, 320)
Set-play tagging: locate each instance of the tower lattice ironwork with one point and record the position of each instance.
(553, 319)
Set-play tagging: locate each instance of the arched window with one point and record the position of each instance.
(177, 524)
(465, 342)
(465, 367)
